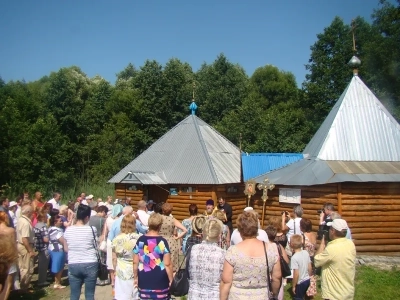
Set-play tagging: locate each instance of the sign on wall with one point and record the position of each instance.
(290, 196)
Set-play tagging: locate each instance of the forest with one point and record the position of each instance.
(67, 128)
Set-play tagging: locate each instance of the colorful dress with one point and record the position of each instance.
(123, 245)
(223, 238)
(167, 232)
(205, 268)
(153, 282)
(250, 273)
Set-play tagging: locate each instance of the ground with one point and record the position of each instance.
(381, 266)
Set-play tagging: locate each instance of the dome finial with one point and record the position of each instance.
(193, 106)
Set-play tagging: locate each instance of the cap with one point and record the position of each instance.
(89, 197)
(116, 210)
(339, 224)
(248, 208)
(210, 202)
(12, 203)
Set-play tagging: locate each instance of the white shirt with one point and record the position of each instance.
(55, 204)
(93, 213)
(294, 227)
(144, 217)
(236, 238)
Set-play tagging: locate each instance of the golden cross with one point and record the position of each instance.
(265, 187)
(194, 86)
(353, 28)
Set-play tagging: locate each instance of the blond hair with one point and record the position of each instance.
(219, 215)
(155, 221)
(296, 241)
(63, 209)
(212, 230)
(128, 224)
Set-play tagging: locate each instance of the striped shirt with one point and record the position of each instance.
(80, 244)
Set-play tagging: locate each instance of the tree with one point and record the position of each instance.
(221, 87)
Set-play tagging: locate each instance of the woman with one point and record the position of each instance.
(310, 242)
(64, 217)
(152, 267)
(122, 246)
(82, 258)
(167, 231)
(115, 214)
(245, 267)
(197, 230)
(280, 237)
(42, 245)
(225, 237)
(188, 225)
(271, 232)
(293, 225)
(57, 249)
(9, 256)
(205, 263)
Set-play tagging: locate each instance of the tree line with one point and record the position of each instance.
(67, 127)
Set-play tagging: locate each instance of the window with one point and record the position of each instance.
(133, 188)
(188, 189)
(232, 189)
(173, 191)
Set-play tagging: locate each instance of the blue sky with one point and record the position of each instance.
(102, 37)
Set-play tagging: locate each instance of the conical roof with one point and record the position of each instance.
(358, 128)
(192, 152)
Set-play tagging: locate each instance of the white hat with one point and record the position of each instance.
(89, 197)
(102, 204)
(84, 202)
(12, 203)
(339, 224)
(249, 208)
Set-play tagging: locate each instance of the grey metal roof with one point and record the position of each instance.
(313, 171)
(358, 128)
(192, 152)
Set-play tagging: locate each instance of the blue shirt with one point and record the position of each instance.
(140, 228)
(115, 228)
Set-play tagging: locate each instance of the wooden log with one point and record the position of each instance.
(373, 224)
(372, 201)
(374, 230)
(347, 213)
(379, 207)
(378, 248)
(371, 185)
(372, 219)
(339, 197)
(372, 236)
(381, 242)
(370, 196)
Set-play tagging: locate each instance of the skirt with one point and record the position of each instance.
(124, 289)
(57, 261)
(13, 269)
(109, 256)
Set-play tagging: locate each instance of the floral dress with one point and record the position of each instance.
(205, 268)
(223, 238)
(250, 273)
(167, 232)
(310, 248)
(188, 225)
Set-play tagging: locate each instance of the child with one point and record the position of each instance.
(301, 266)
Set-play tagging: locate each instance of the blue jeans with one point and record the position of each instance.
(301, 290)
(79, 274)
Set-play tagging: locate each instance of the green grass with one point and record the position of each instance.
(97, 190)
(371, 284)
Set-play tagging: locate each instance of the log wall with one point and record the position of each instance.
(372, 210)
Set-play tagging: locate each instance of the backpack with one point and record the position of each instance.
(38, 238)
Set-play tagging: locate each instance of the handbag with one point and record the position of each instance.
(285, 269)
(103, 244)
(270, 295)
(180, 284)
(102, 271)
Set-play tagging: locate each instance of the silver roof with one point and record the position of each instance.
(313, 171)
(192, 152)
(358, 128)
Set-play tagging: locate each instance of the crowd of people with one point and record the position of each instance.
(141, 245)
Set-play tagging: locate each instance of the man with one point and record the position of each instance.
(37, 201)
(209, 207)
(336, 215)
(25, 241)
(109, 203)
(116, 226)
(150, 207)
(19, 200)
(93, 205)
(128, 201)
(142, 214)
(337, 260)
(227, 210)
(55, 201)
(99, 219)
(87, 200)
(12, 209)
(324, 219)
(78, 201)
(4, 206)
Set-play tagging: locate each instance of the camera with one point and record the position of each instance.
(285, 212)
(319, 211)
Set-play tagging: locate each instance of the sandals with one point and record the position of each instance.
(59, 287)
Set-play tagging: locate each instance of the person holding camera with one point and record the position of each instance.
(293, 225)
(325, 218)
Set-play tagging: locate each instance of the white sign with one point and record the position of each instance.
(290, 196)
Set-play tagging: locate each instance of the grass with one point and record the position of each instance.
(97, 190)
(371, 283)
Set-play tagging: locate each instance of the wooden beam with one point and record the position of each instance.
(339, 197)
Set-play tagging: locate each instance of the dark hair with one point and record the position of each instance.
(305, 225)
(19, 197)
(101, 209)
(193, 209)
(55, 194)
(158, 207)
(48, 206)
(71, 205)
(3, 199)
(83, 212)
(54, 219)
(54, 212)
(271, 232)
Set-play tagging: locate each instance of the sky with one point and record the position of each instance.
(103, 37)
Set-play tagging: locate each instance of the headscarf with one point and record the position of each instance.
(116, 210)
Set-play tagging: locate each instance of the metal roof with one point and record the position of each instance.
(255, 164)
(192, 152)
(358, 128)
(313, 171)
